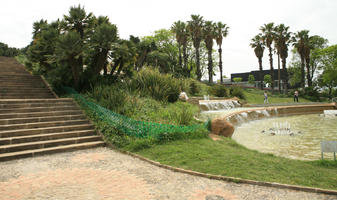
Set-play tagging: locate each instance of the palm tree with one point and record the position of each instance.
(78, 20)
(268, 38)
(178, 29)
(282, 40)
(257, 44)
(195, 29)
(209, 35)
(221, 32)
(300, 42)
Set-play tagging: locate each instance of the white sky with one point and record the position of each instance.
(143, 17)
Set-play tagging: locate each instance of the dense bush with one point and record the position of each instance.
(111, 97)
(237, 92)
(161, 87)
(311, 93)
(194, 87)
(219, 90)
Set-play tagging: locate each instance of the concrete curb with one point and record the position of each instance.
(227, 178)
(49, 87)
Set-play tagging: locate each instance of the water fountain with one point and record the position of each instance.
(226, 104)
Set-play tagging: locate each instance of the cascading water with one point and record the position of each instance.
(218, 104)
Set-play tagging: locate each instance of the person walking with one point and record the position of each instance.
(296, 96)
(265, 97)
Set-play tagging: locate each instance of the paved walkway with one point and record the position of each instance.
(102, 173)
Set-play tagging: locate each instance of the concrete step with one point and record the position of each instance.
(39, 96)
(40, 114)
(18, 101)
(35, 131)
(43, 137)
(42, 124)
(40, 119)
(38, 109)
(24, 90)
(37, 152)
(47, 143)
(34, 105)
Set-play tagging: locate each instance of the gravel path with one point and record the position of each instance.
(103, 173)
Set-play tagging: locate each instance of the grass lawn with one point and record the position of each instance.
(255, 96)
(228, 158)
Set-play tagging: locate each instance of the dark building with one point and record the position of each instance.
(257, 77)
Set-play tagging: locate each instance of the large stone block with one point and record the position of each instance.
(222, 127)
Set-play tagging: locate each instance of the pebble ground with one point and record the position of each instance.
(102, 173)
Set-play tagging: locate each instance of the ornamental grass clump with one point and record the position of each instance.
(161, 87)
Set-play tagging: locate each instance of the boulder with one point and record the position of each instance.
(183, 96)
(222, 127)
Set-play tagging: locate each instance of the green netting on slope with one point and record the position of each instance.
(129, 126)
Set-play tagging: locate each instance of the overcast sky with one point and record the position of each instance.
(143, 17)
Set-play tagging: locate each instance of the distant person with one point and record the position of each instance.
(296, 96)
(265, 97)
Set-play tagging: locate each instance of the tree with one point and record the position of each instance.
(8, 51)
(178, 29)
(301, 43)
(257, 44)
(251, 79)
(69, 50)
(101, 42)
(78, 20)
(237, 80)
(329, 75)
(282, 39)
(317, 43)
(221, 32)
(209, 35)
(195, 28)
(268, 38)
(267, 78)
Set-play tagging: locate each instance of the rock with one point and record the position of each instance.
(183, 96)
(222, 127)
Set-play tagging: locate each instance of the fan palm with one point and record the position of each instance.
(221, 32)
(258, 45)
(209, 35)
(282, 40)
(195, 28)
(301, 43)
(268, 38)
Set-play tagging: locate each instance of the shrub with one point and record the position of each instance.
(311, 93)
(251, 79)
(219, 90)
(194, 87)
(161, 87)
(237, 92)
(238, 79)
(111, 97)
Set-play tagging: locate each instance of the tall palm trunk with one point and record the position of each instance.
(279, 73)
(197, 54)
(220, 64)
(180, 57)
(261, 73)
(285, 81)
(307, 64)
(210, 66)
(271, 68)
(186, 70)
(302, 72)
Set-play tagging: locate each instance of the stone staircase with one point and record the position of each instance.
(33, 121)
